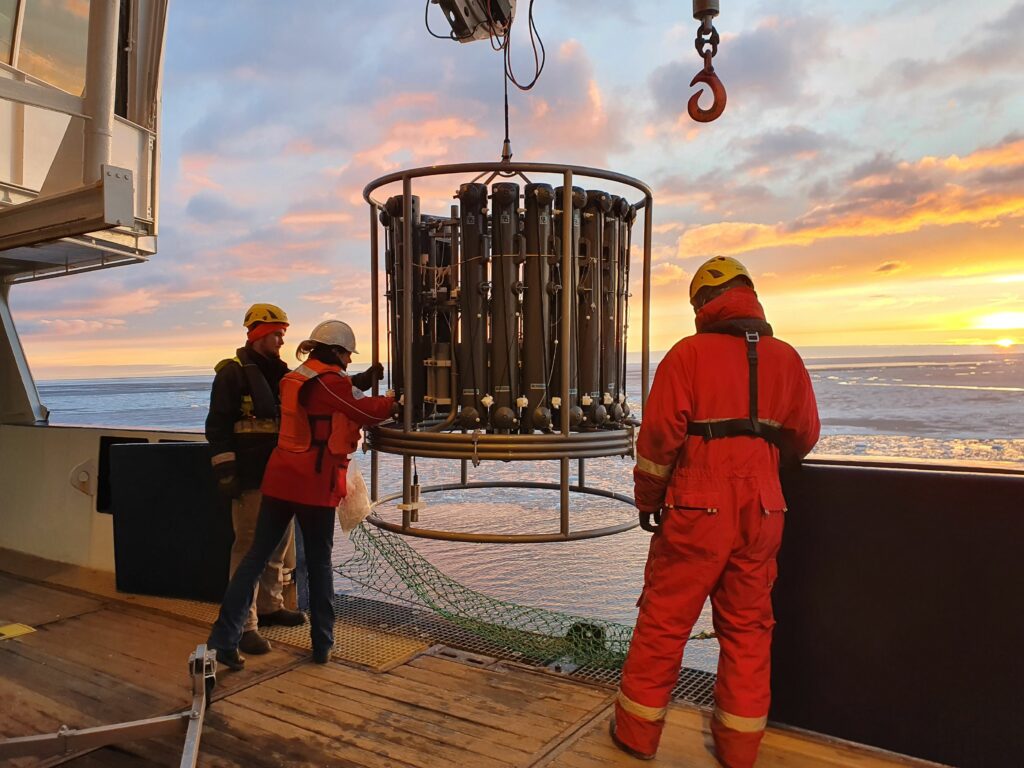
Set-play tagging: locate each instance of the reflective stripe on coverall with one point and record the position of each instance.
(721, 529)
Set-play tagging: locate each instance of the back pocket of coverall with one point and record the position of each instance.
(769, 536)
(691, 532)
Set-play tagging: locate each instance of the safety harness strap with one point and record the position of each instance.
(712, 430)
(750, 329)
(752, 338)
(264, 403)
(319, 443)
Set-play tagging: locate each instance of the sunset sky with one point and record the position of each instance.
(869, 168)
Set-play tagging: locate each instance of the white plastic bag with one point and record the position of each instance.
(354, 508)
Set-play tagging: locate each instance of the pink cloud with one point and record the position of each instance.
(140, 301)
(78, 326)
(195, 175)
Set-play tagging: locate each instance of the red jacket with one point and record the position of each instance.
(293, 476)
(706, 377)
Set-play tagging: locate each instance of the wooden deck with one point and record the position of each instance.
(96, 657)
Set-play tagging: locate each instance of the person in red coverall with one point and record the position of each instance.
(725, 403)
(321, 414)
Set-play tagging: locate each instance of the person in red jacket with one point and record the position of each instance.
(725, 404)
(321, 415)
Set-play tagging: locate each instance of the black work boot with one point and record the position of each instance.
(282, 617)
(625, 747)
(253, 642)
(230, 658)
(322, 655)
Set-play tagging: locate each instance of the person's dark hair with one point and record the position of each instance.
(709, 292)
(326, 353)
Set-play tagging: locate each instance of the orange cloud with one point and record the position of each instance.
(315, 218)
(668, 274)
(1007, 154)
(904, 198)
(426, 140)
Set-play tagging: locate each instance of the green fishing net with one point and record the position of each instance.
(385, 563)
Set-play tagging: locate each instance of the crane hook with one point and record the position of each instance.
(708, 77)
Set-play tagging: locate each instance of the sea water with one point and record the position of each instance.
(967, 407)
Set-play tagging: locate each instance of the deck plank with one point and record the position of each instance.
(343, 731)
(230, 740)
(686, 741)
(524, 684)
(476, 702)
(106, 666)
(96, 661)
(32, 604)
(432, 712)
(564, 701)
(418, 722)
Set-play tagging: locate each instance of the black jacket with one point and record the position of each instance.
(252, 451)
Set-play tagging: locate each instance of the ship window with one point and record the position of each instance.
(8, 10)
(54, 42)
(124, 46)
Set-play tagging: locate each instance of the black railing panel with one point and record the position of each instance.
(899, 610)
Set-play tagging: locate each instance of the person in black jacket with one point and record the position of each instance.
(242, 428)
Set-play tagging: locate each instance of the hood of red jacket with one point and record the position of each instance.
(739, 302)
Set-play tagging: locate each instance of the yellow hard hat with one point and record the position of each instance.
(264, 313)
(716, 271)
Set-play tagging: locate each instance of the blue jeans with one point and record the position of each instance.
(317, 526)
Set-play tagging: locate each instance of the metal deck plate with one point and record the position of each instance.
(694, 686)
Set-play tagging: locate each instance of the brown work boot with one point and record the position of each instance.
(282, 617)
(253, 642)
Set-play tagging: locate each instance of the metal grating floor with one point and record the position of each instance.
(694, 686)
(355, 642)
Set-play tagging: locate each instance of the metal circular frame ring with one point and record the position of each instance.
(503, 168)
(495, 538)
(478, 447)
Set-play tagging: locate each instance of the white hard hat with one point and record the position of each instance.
(334, 333)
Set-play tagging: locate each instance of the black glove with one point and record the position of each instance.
(228, 486)
(650, 521)
(369, 377)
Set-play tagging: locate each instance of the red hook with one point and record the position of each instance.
(710, 79)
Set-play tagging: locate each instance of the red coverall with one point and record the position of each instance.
(721, 529)
(294, 476)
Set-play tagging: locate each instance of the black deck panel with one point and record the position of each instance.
(172, 534)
